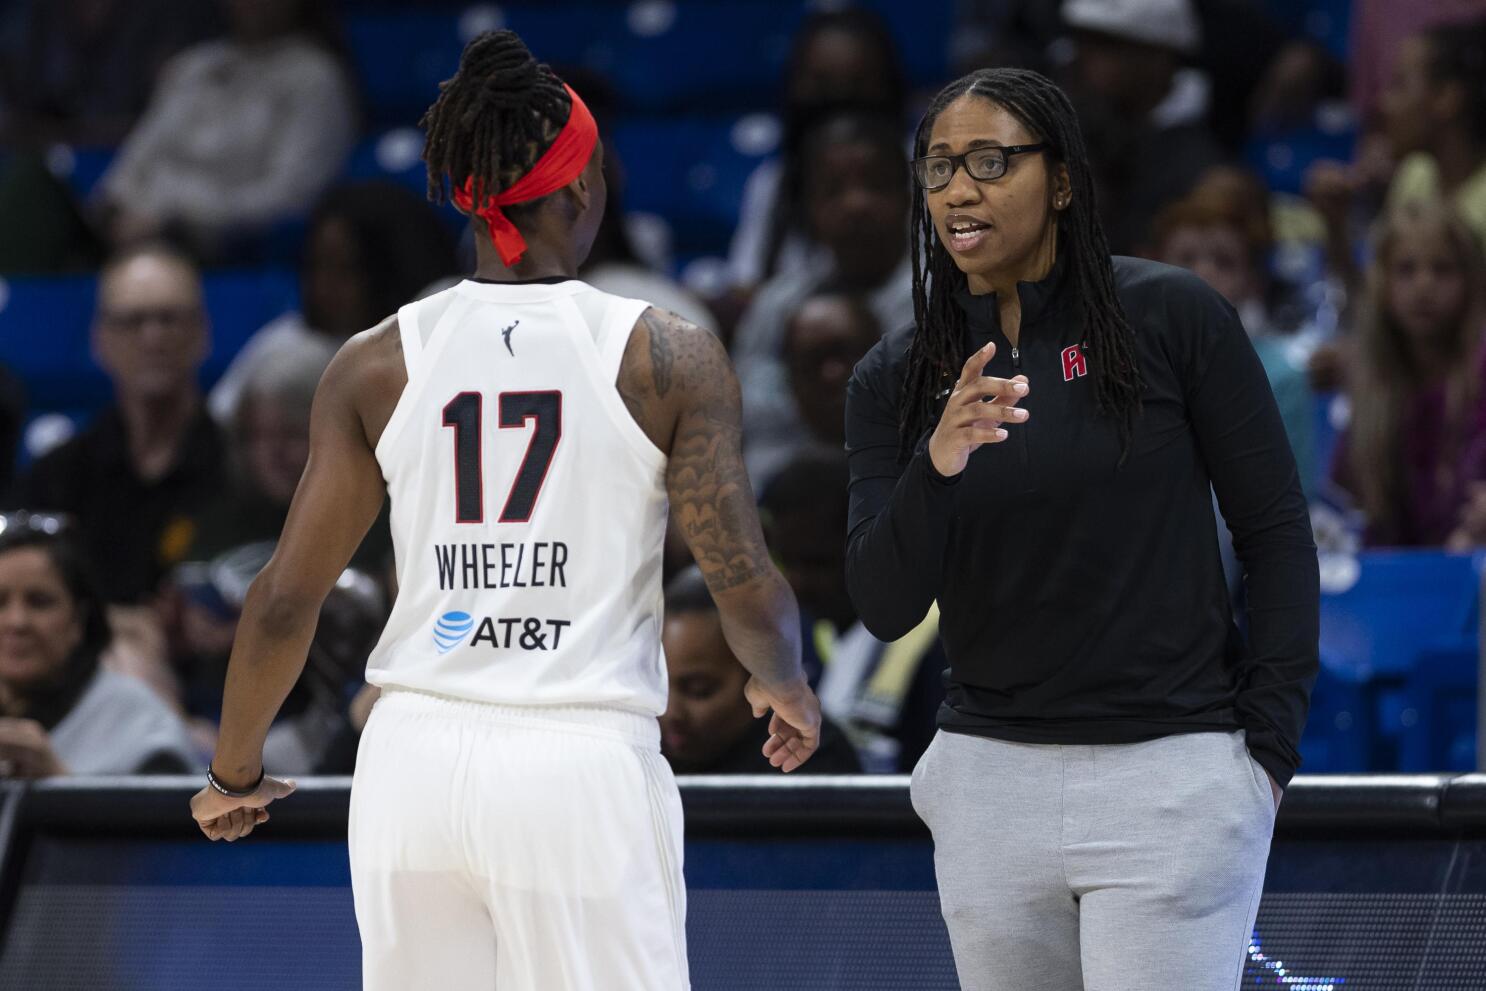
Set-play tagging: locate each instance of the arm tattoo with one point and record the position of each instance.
(711, 497)
(661, 358)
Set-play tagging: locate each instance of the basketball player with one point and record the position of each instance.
(513, 824)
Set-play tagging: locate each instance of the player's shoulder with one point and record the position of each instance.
(675, 342)
(369, 361)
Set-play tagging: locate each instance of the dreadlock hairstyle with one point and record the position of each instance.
(494, 119)
(935, 356)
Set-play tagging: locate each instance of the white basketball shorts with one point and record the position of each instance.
(518, 848)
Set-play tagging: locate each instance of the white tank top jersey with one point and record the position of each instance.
(528, 507)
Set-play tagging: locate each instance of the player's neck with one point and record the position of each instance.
(542, 260)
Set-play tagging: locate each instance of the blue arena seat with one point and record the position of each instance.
(1405, 635)
(1338, 736)
(724, 55)
(691, 171)
(45, 323)
(1402, 599)
(1283, 158)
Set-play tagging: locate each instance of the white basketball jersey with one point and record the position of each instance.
(528, 507)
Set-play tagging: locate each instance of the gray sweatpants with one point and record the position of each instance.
(1108, 867)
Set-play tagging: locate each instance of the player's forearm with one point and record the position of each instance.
(762, 625)
(268, 656)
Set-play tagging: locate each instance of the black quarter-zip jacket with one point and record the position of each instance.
(1083, 601)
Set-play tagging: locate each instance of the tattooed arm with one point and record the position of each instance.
(680, 388)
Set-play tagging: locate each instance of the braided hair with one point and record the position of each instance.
(934, 357)
(494, 119)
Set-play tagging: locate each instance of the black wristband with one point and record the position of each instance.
(220, 789)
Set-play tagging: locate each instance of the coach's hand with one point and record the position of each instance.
(223, 818)
(977, 408)
(794, 729)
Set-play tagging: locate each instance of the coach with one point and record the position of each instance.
(1038, 454)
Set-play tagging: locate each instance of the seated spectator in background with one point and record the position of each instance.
(1432, 111)
(310, 733)
(269, 445)
(1143, 115)
(80, 71)
(136, 479)
(884, 696)
(825, 339)
(823, 342)
(61, 712)
(1417, 436)
(371, 247)
(708, 726)
(841, 61)
(1221, 232)
(240, 133)
(856, 205)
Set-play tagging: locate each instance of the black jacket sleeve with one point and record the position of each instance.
(1242, 440)
(900, 514)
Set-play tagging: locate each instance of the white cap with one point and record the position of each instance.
(1164, 23)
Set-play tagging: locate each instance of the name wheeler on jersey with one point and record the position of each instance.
(528, 508)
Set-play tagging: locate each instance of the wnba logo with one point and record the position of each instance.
(450, 630)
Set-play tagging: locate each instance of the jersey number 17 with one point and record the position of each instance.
(464, 413)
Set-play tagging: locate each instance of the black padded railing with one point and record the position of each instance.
(1422, 805)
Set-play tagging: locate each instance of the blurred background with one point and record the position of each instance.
(201, 199)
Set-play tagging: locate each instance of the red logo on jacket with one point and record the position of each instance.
(1074, 364)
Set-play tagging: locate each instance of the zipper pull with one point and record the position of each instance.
(1016, 357)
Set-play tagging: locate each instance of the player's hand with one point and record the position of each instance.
(26, 751)
(223, 818)
(794, 729)
(978, 407)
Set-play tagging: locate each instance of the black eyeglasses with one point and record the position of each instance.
(984, 164)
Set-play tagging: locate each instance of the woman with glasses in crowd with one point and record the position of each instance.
(1037, 454)
(61, 711)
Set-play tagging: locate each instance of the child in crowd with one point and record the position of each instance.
(1414, 455)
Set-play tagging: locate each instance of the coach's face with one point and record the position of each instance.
(706, 714)
(996, 229)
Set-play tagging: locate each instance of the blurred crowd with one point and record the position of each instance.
(126, 549)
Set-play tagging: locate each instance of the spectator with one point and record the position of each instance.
(80, 71)
(1381, 27)
(313, 723)
(241, 132)
(708, 726)
(1221, 232)
(371, 247)
(61, 712)
(269, 440)
(1434, 113)
(826, 337)
(1143, 114)
(842, 60)
(884, 696)
(137, 478)
(1418, 433)
(856, 206)
(1433, 125)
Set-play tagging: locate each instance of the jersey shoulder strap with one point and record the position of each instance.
(614, 333)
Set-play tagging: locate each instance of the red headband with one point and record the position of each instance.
(560, 165)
